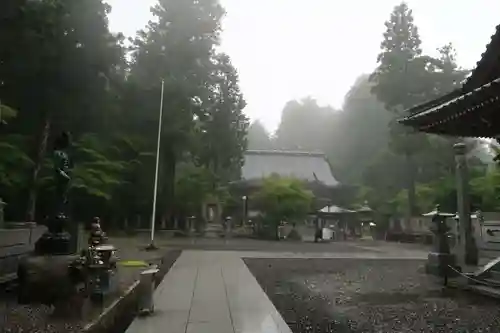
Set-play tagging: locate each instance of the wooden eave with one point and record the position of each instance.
(474, 114)
(471, 110)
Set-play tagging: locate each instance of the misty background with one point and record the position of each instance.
(292, 75)
(288, 49)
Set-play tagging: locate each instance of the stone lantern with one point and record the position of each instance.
(440, 262)
(365, 214)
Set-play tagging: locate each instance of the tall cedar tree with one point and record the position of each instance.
(178, 47)
(399, 60)
(223, 126)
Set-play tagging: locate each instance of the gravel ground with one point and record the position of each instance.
(15, 318)
(362, 295)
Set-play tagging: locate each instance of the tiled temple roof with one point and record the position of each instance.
(307, 166)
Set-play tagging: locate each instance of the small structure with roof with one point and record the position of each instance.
(336, 218)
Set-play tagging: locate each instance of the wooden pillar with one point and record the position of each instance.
(467, 253)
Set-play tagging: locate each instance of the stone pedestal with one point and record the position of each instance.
(56, 240)
(47, 280)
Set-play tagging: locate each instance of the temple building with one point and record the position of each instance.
(472, 109)
(311, 167)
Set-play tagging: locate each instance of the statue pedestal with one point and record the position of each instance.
(54, 244)
(48, 276)
(56, 240)
(48, 280)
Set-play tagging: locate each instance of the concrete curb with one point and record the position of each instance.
(108, 317)
(117, 316)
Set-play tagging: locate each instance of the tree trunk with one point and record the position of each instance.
(40, 154)
(125, 224)
(138, 222)
(411, 185)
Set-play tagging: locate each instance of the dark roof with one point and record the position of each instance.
(308, 166)
(365, 208)
(462, 107)
(488, 67)
(471, 105)
(333, 209)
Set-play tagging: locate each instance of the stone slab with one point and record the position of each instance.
(211, 292)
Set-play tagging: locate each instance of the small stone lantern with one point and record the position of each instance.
(365, 214)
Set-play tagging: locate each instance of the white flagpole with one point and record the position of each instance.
(153, 214)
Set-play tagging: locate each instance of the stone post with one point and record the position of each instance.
(467, 253)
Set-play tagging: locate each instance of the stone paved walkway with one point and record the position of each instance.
(214, 292)
(210, 292)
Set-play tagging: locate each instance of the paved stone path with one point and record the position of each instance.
(214, 292)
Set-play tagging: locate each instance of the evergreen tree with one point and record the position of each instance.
(304, 126)
(223, 126)
(258, 138)
(405, 78)
(398, 84)
(202, 117)
(55, 70)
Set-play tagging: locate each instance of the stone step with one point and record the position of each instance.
(213, 230)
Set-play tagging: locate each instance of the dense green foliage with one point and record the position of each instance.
(282, 199)
(64, 70)
(397, 170)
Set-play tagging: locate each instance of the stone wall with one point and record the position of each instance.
(488, 235)
(14, 244)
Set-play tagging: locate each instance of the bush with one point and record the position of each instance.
(294, 235)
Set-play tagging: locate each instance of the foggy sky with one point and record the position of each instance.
(288, 49)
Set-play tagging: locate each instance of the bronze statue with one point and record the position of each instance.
(62, 169)
(57, 239)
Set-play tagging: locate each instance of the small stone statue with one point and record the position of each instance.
(97, 236)
(62, 171)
